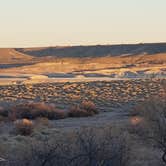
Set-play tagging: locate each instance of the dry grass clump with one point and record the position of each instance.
(24, 127)
(36, 110)
(89, 106)
(76, 111)
(86, 108)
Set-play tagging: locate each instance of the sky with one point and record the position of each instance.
(31, 23)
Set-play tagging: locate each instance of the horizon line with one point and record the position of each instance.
(84, 45)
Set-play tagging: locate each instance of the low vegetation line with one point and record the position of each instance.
(24, 115)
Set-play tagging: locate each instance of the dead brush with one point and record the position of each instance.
(89, 106)
(36, 110)
(76, 111)
(24, 127)
(153, 124)
(85, 109)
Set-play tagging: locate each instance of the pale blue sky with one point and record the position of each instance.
(26, 23)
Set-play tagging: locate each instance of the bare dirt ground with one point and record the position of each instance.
(100, 120)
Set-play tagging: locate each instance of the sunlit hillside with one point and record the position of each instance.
(106, 60)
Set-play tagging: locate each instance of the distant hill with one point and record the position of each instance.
(109, 60)
(10, 55)
(97, 51)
